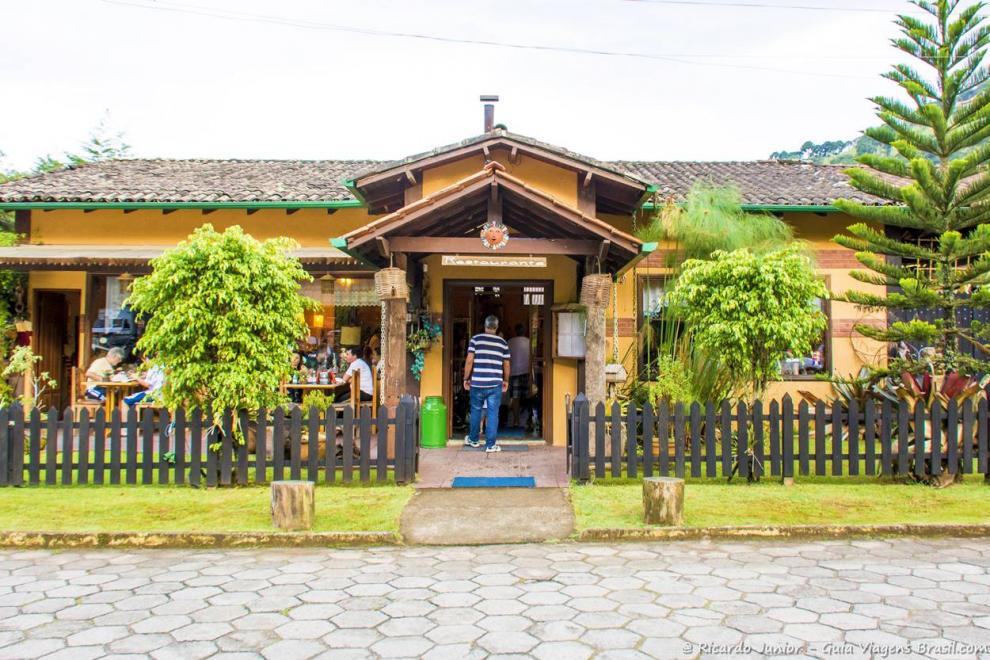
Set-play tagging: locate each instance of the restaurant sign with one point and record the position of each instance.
(494, 262)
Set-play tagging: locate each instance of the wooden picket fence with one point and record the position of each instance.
(779, 439)
(154, 447)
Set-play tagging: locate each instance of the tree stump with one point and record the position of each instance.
(663, 501)
(293, 504)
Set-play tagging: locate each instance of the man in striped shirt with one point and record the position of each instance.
(486, 376)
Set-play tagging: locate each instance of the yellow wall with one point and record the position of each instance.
(72, 280)
(553, 180)
(561, 270)
(849, 351)
(310, 227)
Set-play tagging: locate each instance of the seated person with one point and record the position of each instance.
(297, 374)
(356, 364)
(101, 370)
(152, 381)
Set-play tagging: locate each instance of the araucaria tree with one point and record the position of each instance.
(751, 310)
(929, 242)
(224, 313)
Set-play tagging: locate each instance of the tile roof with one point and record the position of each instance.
(784, 183)
(761, 182)
(198, 180)
(106, 255)
(495, 135)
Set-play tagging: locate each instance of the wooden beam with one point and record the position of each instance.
(587, 197)
(471, 245)
(494, 205)
(383, 247)
(514, 155)
(410, 177)
(603, 252)
(587, 178)
(487, 152)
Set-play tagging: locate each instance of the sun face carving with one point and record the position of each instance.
(494, 235)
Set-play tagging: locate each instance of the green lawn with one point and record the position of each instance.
(185, 509)
(808, 503)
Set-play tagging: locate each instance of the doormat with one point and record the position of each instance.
(504, 447)
(494, 482)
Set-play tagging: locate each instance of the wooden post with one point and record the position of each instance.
(293, 504)
(595, 290)
(394, 372)
(663, 501)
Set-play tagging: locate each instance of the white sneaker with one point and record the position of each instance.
(493, 449)
(469, 443)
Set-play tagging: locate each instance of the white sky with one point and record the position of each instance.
(189, 85)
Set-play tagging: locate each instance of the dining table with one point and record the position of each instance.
(116, 390)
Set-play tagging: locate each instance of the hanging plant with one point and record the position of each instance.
(421, 340)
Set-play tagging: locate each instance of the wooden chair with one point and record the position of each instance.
(356, 401)
(79, 400)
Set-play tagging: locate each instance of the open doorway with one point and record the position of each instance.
(523, 311)
(56, 315)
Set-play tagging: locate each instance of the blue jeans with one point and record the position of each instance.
(479, 397)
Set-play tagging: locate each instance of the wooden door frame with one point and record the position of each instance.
(447, 382)
(36, 321)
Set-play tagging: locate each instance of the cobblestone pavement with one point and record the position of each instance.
(888, 597)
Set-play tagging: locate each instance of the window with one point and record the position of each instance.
(114, 325)
(818, 361)
(657, 330)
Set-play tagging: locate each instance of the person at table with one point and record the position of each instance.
(101, 370)
(352, 356)
(152, 380)
(297, 374)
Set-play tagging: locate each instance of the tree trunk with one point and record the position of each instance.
(293, 504)
(663, 501)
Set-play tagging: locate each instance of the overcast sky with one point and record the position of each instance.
(272, 80)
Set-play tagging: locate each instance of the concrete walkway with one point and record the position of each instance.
(471, 516)
(846, 599)
(546, 464)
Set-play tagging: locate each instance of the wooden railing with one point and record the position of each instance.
(777, 439)
(152, 446)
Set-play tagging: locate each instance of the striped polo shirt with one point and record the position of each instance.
(490, 353)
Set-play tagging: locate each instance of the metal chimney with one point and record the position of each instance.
(489, 100)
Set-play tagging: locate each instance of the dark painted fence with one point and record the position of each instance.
(777, 439)
(154, 447)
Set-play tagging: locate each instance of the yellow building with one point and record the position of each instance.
(88, 230)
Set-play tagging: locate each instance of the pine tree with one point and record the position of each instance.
(936, 187)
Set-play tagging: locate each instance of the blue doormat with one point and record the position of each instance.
(494, 482)
(504, 447)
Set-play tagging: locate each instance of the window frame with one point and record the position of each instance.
(826, 340)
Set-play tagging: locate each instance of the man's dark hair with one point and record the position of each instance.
(520, 330)
(354, 350)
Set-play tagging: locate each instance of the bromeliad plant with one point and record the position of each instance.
(421, 340)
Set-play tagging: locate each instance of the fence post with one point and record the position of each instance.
(787, 437)
(580, 437)
(412, 436)
(400, 443)
(5, 425)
